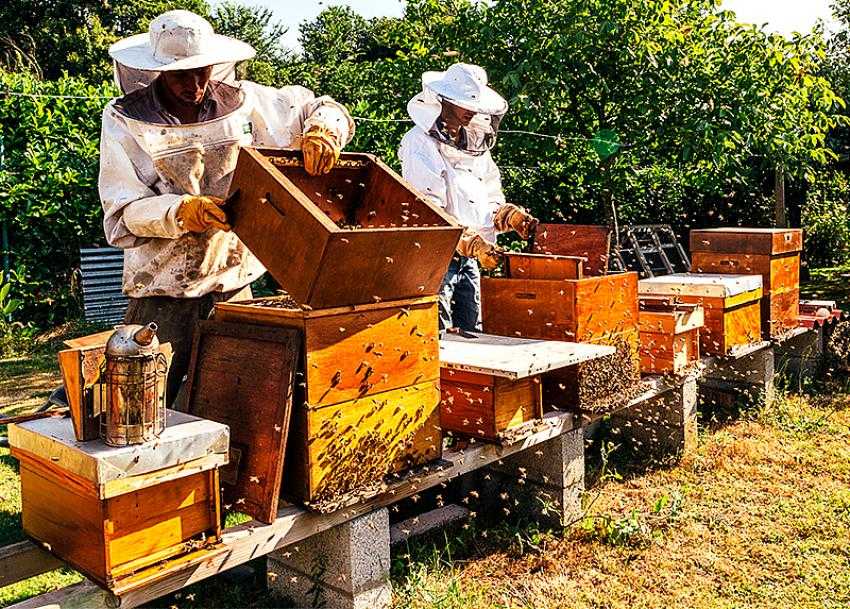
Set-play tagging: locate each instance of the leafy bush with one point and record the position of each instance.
(49, 204)
(826, 220)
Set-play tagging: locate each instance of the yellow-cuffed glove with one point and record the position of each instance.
(473, 245)
(321, 149)
(511, 217)
(198, 214)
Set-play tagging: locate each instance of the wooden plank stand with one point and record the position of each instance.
(114, 512)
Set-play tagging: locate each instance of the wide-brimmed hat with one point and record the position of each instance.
(465, 85)
(179, 40)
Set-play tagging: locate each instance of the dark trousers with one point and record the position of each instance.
(176, 318)
(460, 295)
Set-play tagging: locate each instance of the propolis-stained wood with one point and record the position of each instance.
(352, 352)
(543, 266)
(592, 242)
(669, 334)
(772, 253)
(731, 303)
(485, 405)
(354, 236)
(598, 310)
(80, 366)
(349, 447)
(243, 376)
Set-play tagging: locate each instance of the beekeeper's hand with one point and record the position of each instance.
(321, 149)
(198, 214)
(473, 245)
(511, 217)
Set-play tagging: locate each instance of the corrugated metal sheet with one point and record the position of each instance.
(100, 270)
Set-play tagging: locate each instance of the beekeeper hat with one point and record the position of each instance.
(465, 85)
(179, 40)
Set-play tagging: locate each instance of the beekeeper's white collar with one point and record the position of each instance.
(179, 40)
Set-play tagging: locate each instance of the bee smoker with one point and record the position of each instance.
(133, 387)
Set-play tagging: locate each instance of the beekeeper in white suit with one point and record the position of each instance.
(168, 150)
(447, 157)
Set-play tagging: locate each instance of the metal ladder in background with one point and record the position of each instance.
(650, 249)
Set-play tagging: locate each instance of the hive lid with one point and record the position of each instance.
(700, 284)
(185, 439)
(513, 358)
(743, 240)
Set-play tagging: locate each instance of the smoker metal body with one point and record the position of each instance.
(133, 387)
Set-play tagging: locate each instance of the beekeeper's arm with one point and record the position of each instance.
(507, 216)
(293, 114)
(132, 212)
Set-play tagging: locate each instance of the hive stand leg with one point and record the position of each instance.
(346, 567)
(801, 358)
(664, 426)
(546, 479)
(748, 380)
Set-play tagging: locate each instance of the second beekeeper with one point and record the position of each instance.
(446, 156)
(168, 150)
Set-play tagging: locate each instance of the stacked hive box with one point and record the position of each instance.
(361, 257)
(492, 385)
(113, 512)
(556, 302)
(669, 334)
(773, 253)
(731, 303)
(591, 242)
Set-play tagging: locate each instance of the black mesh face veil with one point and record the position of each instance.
(476, 138)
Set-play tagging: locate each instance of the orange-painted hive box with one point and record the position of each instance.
(773, 253)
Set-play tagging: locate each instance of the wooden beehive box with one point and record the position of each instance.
(669, 334)
(369, 385)
(355, 236)
(588, 241)
(491, 385)
(112, 512)
(732, 305)
(773, 253)
(598, 310)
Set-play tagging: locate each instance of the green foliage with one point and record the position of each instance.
(699, 109)
(49, 203)
(826, 219)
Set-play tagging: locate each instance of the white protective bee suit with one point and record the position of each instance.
(463, 180)
(150, 162)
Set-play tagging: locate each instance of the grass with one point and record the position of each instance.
(829, 284)
(758, 517)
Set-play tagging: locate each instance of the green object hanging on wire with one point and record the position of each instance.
(606, 143)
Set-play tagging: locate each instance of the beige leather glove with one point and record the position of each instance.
(510, 217)
(321, 150)
(198, 214)
(473, 245)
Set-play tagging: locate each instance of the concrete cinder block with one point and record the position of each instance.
(664, 426)
(549, 477)
(346, 567)
(749, 379)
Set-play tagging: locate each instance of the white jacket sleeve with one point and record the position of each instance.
(132, 212)
(424, 172)
(283, 115)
